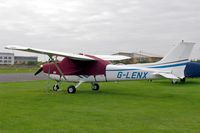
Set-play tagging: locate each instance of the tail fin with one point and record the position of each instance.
(179, 53)
(177, 58)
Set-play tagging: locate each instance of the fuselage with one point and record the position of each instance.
(104, 71)
(112, 73)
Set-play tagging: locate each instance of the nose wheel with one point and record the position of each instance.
(95, 87)
(56, 87)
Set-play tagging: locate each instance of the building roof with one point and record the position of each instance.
(139, 54)
(26, 57)
(4, 53)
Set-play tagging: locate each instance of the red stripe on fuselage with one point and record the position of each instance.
(70, 66)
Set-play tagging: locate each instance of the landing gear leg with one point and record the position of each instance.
(72, 89)
(95, 86)
(174, 81)
(150, 80)
(183, 80)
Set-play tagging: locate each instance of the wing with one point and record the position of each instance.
(50, 53)
(72, 56)
(112, 57)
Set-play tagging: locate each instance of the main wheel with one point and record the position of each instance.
(95, 87)
(56, 87)
(71, 89)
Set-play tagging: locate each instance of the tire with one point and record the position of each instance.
(71, 89)
(95, 87)
(56, 87)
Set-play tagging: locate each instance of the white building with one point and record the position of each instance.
(10, 59)
(6, 58)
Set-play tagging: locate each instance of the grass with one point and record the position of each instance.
(8, 70)
(139, 106)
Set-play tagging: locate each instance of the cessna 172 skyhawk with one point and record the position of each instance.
(82, 68)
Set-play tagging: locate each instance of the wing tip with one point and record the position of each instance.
(15, 47)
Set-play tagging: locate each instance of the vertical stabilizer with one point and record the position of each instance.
(180, 52)
(177, 58)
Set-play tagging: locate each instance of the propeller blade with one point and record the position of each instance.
(39, 71)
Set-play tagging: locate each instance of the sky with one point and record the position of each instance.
(100, 26)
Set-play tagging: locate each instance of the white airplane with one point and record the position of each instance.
(83, 68)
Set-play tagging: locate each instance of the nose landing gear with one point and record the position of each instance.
(56, 87)
(95, 86)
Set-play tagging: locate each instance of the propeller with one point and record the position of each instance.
(39, 70)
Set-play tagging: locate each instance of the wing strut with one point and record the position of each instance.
(60, 71)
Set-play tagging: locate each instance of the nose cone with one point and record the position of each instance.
(46, 68)
(49, 68)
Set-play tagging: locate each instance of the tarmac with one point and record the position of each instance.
(19, 77)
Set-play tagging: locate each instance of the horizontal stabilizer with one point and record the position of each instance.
(166, 75)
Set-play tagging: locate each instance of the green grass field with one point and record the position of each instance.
(11, 70)
(138, 106)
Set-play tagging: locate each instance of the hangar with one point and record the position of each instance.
(139, 57)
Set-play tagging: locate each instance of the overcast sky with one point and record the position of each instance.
(100, 26)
